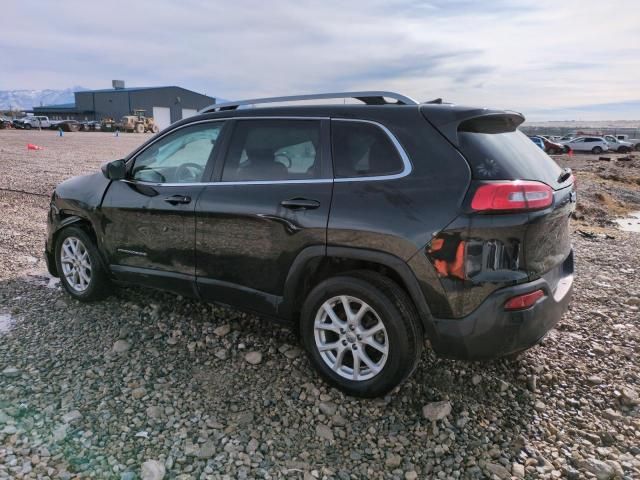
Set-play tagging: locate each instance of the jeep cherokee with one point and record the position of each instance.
(368, 226)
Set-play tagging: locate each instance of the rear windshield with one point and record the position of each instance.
(496, 154)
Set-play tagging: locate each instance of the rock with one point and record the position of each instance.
(221, 353)
(207, 450)
(435, 411)
(252, 446)
(9, 429)
(324, 432)
(476, 379)
(601, 470)
(138, 393)
(72, 416)
(504, 386)
(152, 470)
(411, 475)
(254, 358)
(292, 353)
(121, 346)
(611, 414)
(629, 396)
(393, 461)
(11, 372)
(532, 382)
(328, 408)
(59, 433)
(517, 470)
(222, 330)
(154, 412)
(539, 406)
(618, 472)
(595, 380)
(498, 470)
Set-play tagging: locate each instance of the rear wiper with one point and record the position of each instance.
(565, 175)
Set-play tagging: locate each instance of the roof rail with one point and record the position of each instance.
(369, 98)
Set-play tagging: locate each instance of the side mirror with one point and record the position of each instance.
(115, 170)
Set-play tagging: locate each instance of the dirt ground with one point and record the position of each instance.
(147, 378)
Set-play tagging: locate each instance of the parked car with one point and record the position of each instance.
(634, 141)
(620, 146)
(67, 126)
(552, 148)
(341, 220)
(595, 145)
(538, 141)
(91, 126)
(32, 121)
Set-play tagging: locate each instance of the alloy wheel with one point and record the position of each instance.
(351, 338)
(76, 264)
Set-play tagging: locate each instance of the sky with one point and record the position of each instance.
(550, 60)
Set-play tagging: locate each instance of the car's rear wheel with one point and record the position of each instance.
(597, 150)
(79, 265)
(362, 333)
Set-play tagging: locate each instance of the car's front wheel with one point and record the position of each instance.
(79, 266)
(362, 333)
(597, 150)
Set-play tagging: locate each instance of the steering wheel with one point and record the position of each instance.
(286, 157)
(189, 172)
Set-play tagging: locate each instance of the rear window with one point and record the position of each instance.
(496, 151)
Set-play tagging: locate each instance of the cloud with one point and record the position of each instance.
(520, 54)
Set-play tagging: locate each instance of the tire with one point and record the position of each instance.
(389, 306)
(98, 284)
(27, 126)
(596, 150)
(139, 128)
(638, 147)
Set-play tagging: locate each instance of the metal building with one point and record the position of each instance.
(165, 104)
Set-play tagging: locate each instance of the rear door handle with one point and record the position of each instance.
(178, 199)
(300, 204)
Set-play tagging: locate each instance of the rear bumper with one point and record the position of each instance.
(491, 331)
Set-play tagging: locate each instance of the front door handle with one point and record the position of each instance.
(178, 199)
(300, 204)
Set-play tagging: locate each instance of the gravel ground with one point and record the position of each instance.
(146, 384)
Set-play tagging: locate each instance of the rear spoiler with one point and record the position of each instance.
(449, 119)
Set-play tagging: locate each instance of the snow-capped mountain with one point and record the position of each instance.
(27, 99)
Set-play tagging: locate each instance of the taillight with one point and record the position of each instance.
(517, 195)
(522, 302)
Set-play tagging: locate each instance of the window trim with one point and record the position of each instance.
(407, 166)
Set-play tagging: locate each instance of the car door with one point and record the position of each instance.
(578, 144)
(149, 217)
(270, 201)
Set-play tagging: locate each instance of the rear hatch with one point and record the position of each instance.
(514, 225)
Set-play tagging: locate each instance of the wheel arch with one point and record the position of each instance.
(315, 264)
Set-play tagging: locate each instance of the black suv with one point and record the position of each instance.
(367, 226)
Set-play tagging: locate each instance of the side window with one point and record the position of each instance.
(180, 157)
(362, 150)
(273, 150)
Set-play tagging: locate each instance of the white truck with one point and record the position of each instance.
(634, 141)
(34, 121)
(619, 145)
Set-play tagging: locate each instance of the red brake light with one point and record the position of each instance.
(522, 302)
(518, 195)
